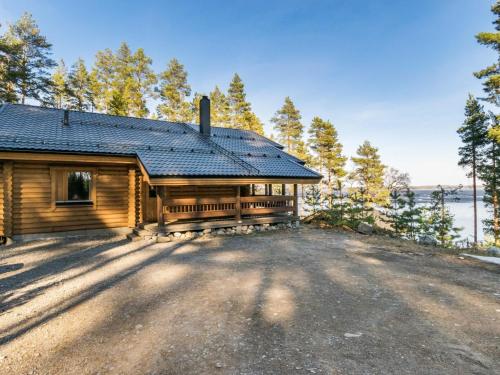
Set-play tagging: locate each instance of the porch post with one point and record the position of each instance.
(270, 189)
(238, 204)
(132, 199)
(8, 194)
(283, 189)
(295, 200)
(159, 206)
(253, 189)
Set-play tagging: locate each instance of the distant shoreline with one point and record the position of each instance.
(434, 187)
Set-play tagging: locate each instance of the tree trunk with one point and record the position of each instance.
(474, 194)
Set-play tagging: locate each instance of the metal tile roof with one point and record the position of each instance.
(164, 148)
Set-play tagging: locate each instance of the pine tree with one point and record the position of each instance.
(237, 102)
(142, 82)
(79, 87)
(289, 128)
(30, 60)
(122, 82)
(438, 221)
(174, 90)
(489, 173)
(324, 142)
(219, 111)
(491, 74)
(102, 77)
(195, 108)
(58, 97)
(8, 73)
(473, 134)
(369, 175)
(240, 110)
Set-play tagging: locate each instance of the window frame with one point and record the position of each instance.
(59, 187)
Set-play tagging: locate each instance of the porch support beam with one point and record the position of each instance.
(295, 200)
(132, 194)
(8, 195)
(159, 206)
(283, 189)
(238, 204)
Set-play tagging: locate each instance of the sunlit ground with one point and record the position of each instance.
(307, 301)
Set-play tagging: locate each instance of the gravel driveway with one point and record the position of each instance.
(288, 302)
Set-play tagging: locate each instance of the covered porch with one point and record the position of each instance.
(197, 207)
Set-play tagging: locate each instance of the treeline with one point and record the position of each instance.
(480, 135)
(120, 82)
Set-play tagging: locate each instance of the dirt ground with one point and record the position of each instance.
(308, 301)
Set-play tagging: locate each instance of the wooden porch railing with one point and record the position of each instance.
(198, 208)
(266, 204)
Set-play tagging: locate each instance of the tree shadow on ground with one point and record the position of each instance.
(219, 312)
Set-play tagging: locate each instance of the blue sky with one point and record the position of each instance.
(396, 73)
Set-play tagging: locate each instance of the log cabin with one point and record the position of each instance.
(63, 171)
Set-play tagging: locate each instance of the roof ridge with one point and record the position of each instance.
(225, 152)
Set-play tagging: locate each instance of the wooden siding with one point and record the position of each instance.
(32, 201)
(2, 233)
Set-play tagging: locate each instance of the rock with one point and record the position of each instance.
(162, 239)
(251, 227)
(495, 251)
(265, 225)
(208, 230)
(244, 228)
(138, 326)
(221, 232)
(427, 240)
(219, 365)
(177, 235)
(351, 335)
(365, 228)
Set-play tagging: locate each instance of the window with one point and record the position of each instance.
(79, 186)
(73, 186)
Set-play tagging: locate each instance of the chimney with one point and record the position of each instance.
(205, 116)
(66, 117)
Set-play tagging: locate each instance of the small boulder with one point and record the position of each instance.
(365, 228)
(427, 240)
(163, 239)
(494, 251)
(177, 234)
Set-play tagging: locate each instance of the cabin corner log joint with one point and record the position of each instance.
(99, 171)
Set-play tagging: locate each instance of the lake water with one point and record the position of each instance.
(462, 210)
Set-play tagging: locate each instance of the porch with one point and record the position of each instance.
(187, 208)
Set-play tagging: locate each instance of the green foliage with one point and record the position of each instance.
(240, 110)
(120, 83)
(403, 215)
(174, 90)
(220, 114)
(368, 174)
(313, 199)
(26, 62)
(58, 96)
(289, 128)
(437, 219)
(80, 95)
(489, 173)
(491, 74)
(324, 142)
(473, 134)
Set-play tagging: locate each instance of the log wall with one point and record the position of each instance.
(33, 210)
(2, 233)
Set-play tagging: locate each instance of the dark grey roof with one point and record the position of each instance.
(164, 148)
